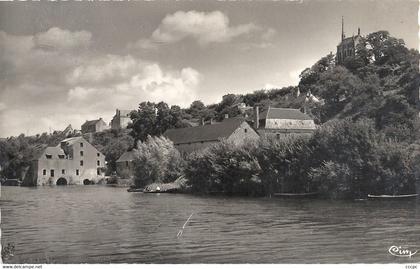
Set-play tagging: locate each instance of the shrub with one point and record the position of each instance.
(156, 160)
(334, 180)
(225, 167)
(284, 164)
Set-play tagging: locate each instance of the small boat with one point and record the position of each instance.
(134, 190)
(392, 197)
(10, 182)
(295, 195)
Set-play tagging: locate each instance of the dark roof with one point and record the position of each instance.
(211, 132)
(42, 149)
(284, 113)
(91, 122)
(126, 156)
(72, 140)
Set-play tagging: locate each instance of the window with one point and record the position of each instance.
(98, 154)
(278, 136)
(126, 163)
(44, 172)
(81, 153)
(61, 156)
(81, 163)
(245, 130)
(63, 172)
(52, 172)
(98, 171)
(77, 172)
(48, 156)
(81, 145)
(98, 162)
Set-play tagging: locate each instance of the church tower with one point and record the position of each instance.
(347, 46)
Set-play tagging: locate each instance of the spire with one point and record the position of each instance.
(358, 31)
(342, 28)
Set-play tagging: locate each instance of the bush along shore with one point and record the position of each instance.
(343, 160)
(367, 142)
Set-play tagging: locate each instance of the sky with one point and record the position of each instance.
(67, 62)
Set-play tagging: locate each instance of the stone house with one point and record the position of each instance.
(282, 122)
(187, 140)
(121, 119)
(94, 126)
(125, 165)
(73, 161)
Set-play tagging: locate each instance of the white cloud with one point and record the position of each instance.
(71, 84)
(56, 38)
(204, 27)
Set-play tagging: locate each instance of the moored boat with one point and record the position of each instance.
(296, 195)
(134, 190)
(392, 197)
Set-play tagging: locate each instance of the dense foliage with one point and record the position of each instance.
(226, 168)
(16, 153)
(344, 159)
(112, 143)
(368, 140)
(156, 161)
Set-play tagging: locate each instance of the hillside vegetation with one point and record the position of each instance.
(367, 142)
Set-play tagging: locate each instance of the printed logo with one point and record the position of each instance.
(401, 252)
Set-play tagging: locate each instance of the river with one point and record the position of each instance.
(100, 224)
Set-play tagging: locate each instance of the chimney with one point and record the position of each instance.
(358, 31)
(256, 117)
(226, 116)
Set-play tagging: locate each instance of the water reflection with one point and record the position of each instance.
(97, 224)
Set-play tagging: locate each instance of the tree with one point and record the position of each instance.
(154, 119)
(156, 160)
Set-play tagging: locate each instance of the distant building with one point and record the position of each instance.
(187, 140)
(121, 119)
(94, 126)
(282, 122)
(73, 161)
(125, 165)
(347, 46)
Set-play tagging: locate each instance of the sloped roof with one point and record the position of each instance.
(71, 140)
(209, 132)
(68, 129)
(91, 122)
(126, 156)
(43, 149)
(284, 113)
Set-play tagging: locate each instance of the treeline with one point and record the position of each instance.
(377, 90)
(344, 159)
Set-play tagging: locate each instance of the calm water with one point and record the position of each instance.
(99, 224)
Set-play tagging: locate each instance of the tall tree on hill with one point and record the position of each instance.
(154, 119)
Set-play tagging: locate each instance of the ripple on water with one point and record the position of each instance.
(75, 224)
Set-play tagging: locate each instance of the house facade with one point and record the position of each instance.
(94, 126)
(121, 119)
(73, 161)
(125, 165)
(283, 122)
(191, 139)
